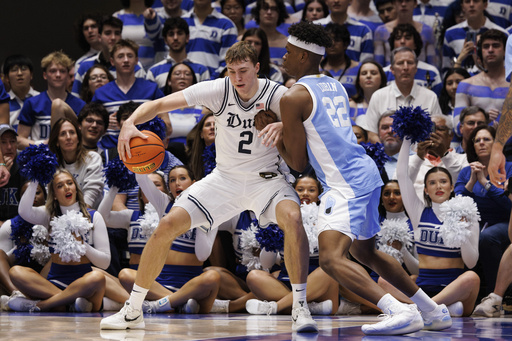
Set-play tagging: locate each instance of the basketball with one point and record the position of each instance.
(147, 155)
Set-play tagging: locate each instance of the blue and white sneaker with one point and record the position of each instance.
(402, 319)
(437, 319)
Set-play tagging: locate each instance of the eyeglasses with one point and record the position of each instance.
(482, 139)
(96, 77)
(91, 121)
(17, 68)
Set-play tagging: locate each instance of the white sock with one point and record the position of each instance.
(111, 305)
(496, 297)
(423, 301)
(299, 295)
(386, 302)
(137, 296)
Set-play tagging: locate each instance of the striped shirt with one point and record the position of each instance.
(426, 76)
(210, 40)
(158, 73)
(361, 38)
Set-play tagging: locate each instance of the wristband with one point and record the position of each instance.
(487, 185)
(3, 164)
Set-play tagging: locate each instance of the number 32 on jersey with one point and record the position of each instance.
(337, 109)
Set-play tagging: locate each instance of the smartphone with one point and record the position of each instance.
(471, 36)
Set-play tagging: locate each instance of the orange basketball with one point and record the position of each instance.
(147, 155)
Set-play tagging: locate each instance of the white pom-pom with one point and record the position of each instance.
(391, 230)
(40, 251)
(457, 214)
(248, 245)
(65, 231)
(309, 219)
(149, 221)
(396, 254)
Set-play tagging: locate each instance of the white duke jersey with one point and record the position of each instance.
(339, 162)
(239, 149)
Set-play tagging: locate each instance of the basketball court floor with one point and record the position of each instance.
(71, 326)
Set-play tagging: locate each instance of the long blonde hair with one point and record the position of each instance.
(53, 206)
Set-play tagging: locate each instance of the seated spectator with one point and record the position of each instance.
(10, 193)
(370, 78)
(404, 10)
(455, 37)
(492, 203)
(361, 134)
(86, 166)
(200, 140)
(87, 35)
(133, 28)
(97, 76)
(361, 44)
(427, 75)
(487, 89)
(180, 77)
(18, 71)
(470, 118)
(258, 39)
(235, 10)
(176, 35)
(436, 152)
(34, 127)
(391, 142)
(362, 12)
(9, 244)
(269, 15)
(93, 122)
(403, 92)
(386, 10)
(313, 10)
(336, 59)
(451, 81)
(127, 87)
(110, 33)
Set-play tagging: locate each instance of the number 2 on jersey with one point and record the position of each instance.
(246, 139)
(337, 110)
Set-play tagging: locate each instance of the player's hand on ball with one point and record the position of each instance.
(263, 118)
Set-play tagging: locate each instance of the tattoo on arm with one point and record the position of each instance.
(505, 125)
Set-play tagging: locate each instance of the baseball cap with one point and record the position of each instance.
(6, 127)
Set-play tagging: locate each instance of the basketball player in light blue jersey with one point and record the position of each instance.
(316, 127)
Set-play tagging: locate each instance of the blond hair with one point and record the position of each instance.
(53, 206)
(241, 52)
(57, 57)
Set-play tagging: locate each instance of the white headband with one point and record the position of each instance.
(320, 50)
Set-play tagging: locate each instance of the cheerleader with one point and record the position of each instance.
(182, 282)
(273, 290)
(441, 268)
(71, 278)
(16, 244)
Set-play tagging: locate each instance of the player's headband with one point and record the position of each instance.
(320, 50)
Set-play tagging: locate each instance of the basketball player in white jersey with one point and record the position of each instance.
(248, 176)
(316, 127)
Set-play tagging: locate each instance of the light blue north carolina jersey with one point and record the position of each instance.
(339, 162)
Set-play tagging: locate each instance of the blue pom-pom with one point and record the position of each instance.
(21, 232)
(413, 123)
(156, 125)
(119, 176)
(376, 152)
(209, 155)
(271, 238)
(38, 163)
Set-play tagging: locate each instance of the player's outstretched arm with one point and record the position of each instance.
(144, 113)
(294, 103)
(497, 172)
